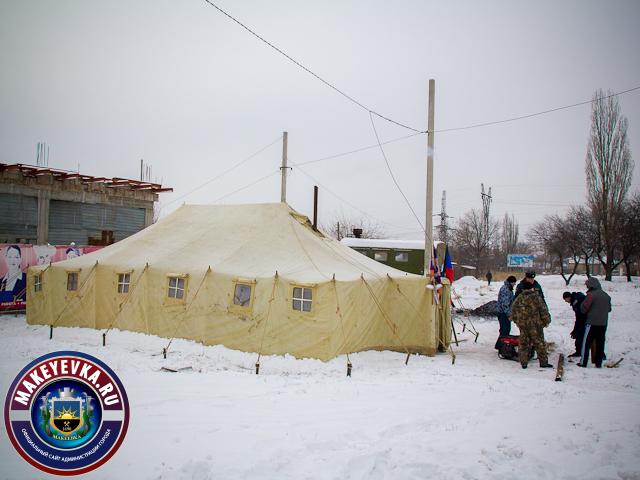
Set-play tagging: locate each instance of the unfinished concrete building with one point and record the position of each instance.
(40, 205)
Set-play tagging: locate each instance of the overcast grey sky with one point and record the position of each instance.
(192, 93)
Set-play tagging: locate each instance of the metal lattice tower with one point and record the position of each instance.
(486, 206)
(443, 228)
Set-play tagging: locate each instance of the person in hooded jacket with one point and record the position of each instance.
(596, 306)
(505, 299)
(531, 314)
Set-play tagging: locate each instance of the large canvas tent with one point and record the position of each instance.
(256, 278)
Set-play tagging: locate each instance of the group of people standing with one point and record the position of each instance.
(527, 308)
(592, 317)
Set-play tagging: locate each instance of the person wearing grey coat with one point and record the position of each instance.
(596, 306)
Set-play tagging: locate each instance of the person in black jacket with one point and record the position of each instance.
(575, 299)
(596, 307)
(530, 278)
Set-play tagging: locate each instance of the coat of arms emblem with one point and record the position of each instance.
(66, 415)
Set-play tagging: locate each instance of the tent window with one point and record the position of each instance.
(176, 288)
(380, 256)
(124, 280)
(72, 281)
(37, 283)
(302, 299)
(402, 257)
(242, 295)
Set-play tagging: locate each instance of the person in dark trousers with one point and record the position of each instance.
(596, 306)
(529, 278)
(489, 276)
(505, 299)
(530, 313)
(575, 299)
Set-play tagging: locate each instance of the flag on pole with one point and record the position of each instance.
(448, 266)
(435, 271)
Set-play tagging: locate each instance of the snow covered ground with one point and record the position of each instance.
(480, 418)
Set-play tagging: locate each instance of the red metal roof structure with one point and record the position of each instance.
(35, 171)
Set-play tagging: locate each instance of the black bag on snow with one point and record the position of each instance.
(508, 346)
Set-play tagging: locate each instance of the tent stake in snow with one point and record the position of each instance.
(466, 314)
(614, 364)
(179, 322)
(257, 368)
(50, 331)
(80, 293)
(560, 369)
(455, 335)
(122, 305)
(339, 314)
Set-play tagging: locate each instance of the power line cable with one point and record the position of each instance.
(535, 203)
(391, 173)
(225, 172)
(333, 87)
(370, 111)
(369, 147)
(521, 117)
(246, 186)
(357, 150)
(345, 201)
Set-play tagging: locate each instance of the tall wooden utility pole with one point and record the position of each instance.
(283, 169)
(428, 237)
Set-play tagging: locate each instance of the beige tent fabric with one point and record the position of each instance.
(357, 303)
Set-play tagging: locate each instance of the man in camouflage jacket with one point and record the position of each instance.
(530, 313)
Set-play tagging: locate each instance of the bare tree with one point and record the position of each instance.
(609, 169)
(343, 226)
(510, 232)
(630, 232)
(474, 237)
(558, 236)
(587, 234)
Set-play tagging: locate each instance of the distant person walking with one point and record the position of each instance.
(596, 306)
(575, 299)
(529, 278)
(530, 313)
(505, 299)
(489, 276)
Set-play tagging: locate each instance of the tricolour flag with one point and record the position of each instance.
(448, 266)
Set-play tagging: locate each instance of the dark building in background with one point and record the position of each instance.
(40, 205)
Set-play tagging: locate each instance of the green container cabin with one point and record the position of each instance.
(405, 255)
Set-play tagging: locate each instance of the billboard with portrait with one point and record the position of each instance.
(15, 259)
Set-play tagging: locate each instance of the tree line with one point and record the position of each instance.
(605, 229)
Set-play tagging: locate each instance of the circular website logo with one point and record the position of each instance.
(66, 413)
